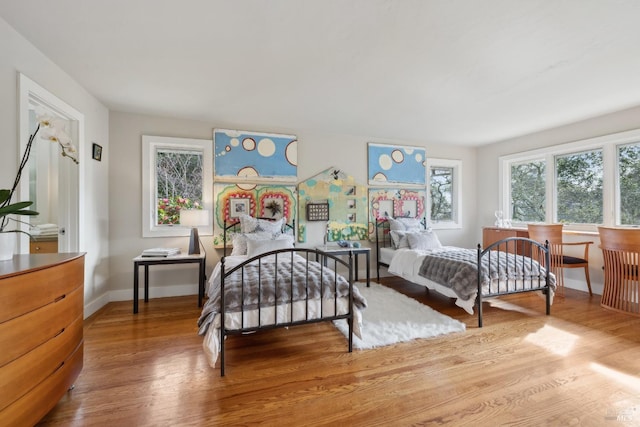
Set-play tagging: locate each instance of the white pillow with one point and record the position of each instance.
(399, 239)
(249, 224)
(404, 224)
(257, 247)
(395, 225)
(410, 224)
(424, 240)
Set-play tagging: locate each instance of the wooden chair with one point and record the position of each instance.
(553, 234)
(621, 254)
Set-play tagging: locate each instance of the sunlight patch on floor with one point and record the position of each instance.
(554, 340)
(620, 377)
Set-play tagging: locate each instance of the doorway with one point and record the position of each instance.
(54, 182)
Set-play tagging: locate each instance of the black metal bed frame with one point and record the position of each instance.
(310, 255)
(531, 252)
(530, 249)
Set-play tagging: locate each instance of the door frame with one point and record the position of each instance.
(73, 213)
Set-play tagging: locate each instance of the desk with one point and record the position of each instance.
(337, 250)
(138, 261)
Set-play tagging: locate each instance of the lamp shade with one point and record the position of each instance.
(194, 218)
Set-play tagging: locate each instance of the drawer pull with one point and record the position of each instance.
(59, 333)
(60, 298)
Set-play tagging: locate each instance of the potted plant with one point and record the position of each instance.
(53, 131)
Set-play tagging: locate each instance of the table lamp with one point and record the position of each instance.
(194, 218)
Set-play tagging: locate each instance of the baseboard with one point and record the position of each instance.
(127, 295)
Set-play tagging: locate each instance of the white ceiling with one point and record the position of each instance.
(447, 71)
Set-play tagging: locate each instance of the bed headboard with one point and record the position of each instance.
(234, 227)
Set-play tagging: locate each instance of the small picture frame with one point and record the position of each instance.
(97, 152)
(238, 207)
(273, 207)
(317, 211)
(351, 203)
(351, 217)
(409, 208)
(385, 209)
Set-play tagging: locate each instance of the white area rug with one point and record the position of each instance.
(391, 317)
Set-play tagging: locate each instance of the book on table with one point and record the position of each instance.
(160, 252)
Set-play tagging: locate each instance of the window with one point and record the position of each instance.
(443, 181)
(579, 187)
(177, 174)
(629, 183)
(582, 184)
(528, 191)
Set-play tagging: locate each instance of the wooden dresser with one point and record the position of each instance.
(41, 320)
(493, 234)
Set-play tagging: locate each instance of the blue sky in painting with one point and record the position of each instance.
(266, 154)
(397, 163)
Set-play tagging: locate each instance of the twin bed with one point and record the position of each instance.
(267, 283)
(514, 265)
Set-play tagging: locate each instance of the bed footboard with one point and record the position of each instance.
(282, 288)
(513, 265)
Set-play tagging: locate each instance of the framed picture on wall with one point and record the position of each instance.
(97, 152)
(273, 207)
(238, 207)
(385, 208)
(409, 208)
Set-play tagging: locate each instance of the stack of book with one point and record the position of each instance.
(160, 252)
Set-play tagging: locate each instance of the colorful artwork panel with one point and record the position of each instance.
(347, 201)
(254, 157)
(268, 201)
(395, 164)
(385, 202)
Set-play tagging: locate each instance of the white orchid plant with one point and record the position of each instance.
(49, 129)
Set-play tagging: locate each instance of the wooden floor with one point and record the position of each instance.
(580, 367)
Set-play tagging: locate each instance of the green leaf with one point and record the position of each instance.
(4, 195)
(17, 209)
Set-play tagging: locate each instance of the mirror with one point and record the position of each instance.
(53, 184)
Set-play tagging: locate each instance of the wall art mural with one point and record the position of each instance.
(394, 202)
(346, 200)
(396, 164)
(243, 156)
(268, 201)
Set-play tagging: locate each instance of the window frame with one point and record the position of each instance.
(456, 198)
(607, 143)
(150, 146)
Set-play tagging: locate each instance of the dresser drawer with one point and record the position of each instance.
(31, 407)
(23, 293)
(43, 247)
(22, 334)
(38, 364)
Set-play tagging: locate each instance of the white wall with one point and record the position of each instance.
(18, 55)
(487, 180)
(316, 152)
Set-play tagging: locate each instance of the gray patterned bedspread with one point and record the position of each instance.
(305, 282)
(457, 269)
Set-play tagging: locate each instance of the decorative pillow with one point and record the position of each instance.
(404, 224)
(399, 239)
(249, 224)
(410, 224)
(424, 240)
(395, 225)
(273, 227)
(239, 241)
(257, 247)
